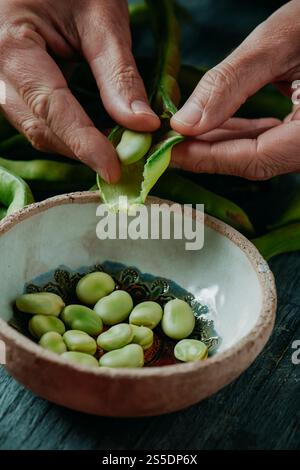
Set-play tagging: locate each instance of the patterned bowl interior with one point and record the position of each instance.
(141, 287)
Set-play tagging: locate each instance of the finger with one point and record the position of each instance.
(45, 91)
(244, 128)
(240, 124)
(294, 115)
(113, 65)
(272, 153)
(222, 90)
(35, 130)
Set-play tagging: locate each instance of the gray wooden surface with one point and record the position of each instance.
(259, 410)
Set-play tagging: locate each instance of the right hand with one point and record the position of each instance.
(255, 149)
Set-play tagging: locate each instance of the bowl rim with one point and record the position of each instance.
(265, 277)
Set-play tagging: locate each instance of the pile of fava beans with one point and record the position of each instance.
(106, 319)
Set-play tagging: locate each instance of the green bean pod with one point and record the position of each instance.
(138, 179)
(14, 192)
(291, 211)
(6, 129)
(166, 93)
(3, 212)
(47, 170)
(14, 143)
(138, 13)
(180, 189)
(282, 240)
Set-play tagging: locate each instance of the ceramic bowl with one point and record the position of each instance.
(227, 274)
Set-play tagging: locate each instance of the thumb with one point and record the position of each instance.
(108, 52)
(224, 88)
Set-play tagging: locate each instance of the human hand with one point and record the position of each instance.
(254, 149)
(38, 101)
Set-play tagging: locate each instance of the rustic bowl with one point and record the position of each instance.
(228, 275)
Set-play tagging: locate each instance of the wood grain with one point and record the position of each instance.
(259, 410)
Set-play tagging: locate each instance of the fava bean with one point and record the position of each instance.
(131, 355)
(189, 350)
(175, 187)
(178, 320)
(93, 287)
(80, 341)
(80, 358)
(133, 146)
(79, 317)
(116, 337)
(41, 324)
(142, 336)
(40, 303)
(114, 308)
(146, 314)
(53, 342)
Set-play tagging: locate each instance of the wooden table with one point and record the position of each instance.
(259, 410)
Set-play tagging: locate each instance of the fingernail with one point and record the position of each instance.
(189, 115)
(105, 175)
(140, 107)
